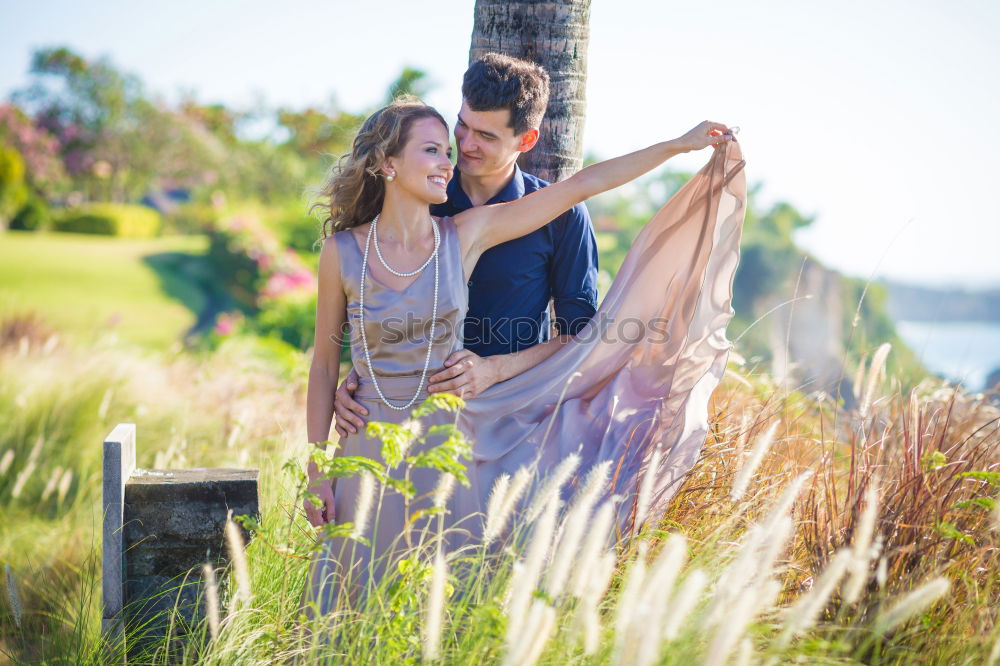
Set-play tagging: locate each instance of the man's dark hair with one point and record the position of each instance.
(497, 81)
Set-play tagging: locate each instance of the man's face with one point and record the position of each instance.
(486, 142)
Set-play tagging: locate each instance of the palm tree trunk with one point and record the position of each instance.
(553, 34)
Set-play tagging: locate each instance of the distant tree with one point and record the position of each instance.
(314, 133)
(409, 82)
(43, 168)
(115, 143)
(554, 35)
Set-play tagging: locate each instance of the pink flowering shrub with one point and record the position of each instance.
(267, 279)
(251, 262)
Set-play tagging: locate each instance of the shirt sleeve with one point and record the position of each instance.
(573, 272)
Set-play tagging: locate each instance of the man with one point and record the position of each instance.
(507, 328)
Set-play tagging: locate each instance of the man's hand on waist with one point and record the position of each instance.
(465, 374)
(348, 412)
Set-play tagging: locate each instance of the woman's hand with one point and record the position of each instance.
(705, 134)
(482, 227)
(326, 513)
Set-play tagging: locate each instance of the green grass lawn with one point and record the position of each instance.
(148, 290)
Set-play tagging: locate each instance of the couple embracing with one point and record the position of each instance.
(443, 276)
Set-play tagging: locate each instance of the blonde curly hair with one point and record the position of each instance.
(353, 191)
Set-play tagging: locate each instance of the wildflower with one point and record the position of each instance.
(225, 324)
(414, 426)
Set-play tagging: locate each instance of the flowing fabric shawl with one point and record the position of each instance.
(639, 377)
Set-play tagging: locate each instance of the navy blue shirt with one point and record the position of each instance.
(512, 283)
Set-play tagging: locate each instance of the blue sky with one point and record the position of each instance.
(879, 118)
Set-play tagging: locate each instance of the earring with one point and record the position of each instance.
(391, 177)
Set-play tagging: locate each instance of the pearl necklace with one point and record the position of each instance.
(437, 243)
(430, 341)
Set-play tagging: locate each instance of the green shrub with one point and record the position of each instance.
(291, 319)
(110, 219)
(34, 215)
(302, 232)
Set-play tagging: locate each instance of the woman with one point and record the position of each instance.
(607, 396)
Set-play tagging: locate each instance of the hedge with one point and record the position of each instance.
(110, 219)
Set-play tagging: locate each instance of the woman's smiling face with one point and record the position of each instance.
(423, 168)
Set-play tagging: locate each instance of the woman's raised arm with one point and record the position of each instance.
(486, 226)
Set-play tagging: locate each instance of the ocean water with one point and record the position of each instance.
(959, 350)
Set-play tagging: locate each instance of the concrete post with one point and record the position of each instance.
(119, 463)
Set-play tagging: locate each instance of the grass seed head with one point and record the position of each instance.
(237, 554)
(12, 595)
(211, 600)
(874, 375)
(443, 490)
(911, 604)
(434, 615)
(365, 500)
(550, 489)
(496, 519)
(6, 460)
(748, 468)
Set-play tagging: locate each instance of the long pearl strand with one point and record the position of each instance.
(437, 243)
(430, 341)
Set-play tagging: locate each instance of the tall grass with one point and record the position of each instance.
(805, 532)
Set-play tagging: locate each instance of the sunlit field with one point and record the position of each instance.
(148, 290)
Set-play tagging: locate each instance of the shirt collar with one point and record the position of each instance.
(512, 191)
